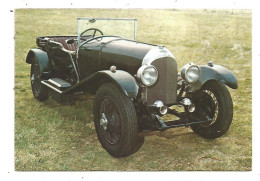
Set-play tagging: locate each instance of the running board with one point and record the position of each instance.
(56, 89)
(56, 84)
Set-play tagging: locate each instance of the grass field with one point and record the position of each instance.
(50, 137)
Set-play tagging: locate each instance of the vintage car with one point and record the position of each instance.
(135, 84)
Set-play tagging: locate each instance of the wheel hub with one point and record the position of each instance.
(103, 121)
(206, 101)
(110, 121)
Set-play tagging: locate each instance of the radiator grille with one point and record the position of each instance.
(165, 88)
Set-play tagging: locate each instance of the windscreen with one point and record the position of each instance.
(125, 28)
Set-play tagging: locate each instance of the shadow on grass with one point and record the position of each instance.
(169, 136)
(79, 110)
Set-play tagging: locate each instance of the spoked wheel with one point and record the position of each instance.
(116, 122)
(213, 101)
(38, 91)
(110, 124)
(207, 107)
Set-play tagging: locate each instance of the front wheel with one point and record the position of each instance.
(39, 92)
(116, 121)
(215, 102)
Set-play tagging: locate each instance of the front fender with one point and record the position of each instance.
(41, 57)
(125, 81)
(216, 72)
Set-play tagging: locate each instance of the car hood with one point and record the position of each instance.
(124, 54)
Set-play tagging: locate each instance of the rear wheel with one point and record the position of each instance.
(214, 101)
(38, 90)
(116, 122)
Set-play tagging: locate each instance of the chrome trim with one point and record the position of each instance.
(103, 121)
(141, 70)
(158, 103)
(113, 68)
(185, 69)
(156, 53)
(191, 108)
(74, 66)
(57, 84)
(135, 28)
(162, 108)
(186, 101)
(57, 90)
(53, 82)
(159, 106)
(210, 63)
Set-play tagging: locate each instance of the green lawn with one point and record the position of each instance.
(50, 136)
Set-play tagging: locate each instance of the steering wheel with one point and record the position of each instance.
(90, 29)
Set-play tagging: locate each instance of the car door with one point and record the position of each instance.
(88, 58)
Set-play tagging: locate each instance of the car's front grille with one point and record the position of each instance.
(165, 88)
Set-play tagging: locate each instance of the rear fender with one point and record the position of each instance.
(41, 57)
(216, 72)
(123, 80)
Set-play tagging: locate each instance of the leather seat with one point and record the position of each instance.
(62, 40)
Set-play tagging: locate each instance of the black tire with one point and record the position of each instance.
(39, 92)
(220, 109)
(117, 131)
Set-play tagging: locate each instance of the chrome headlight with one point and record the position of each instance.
(190, 73)
(148, 75)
